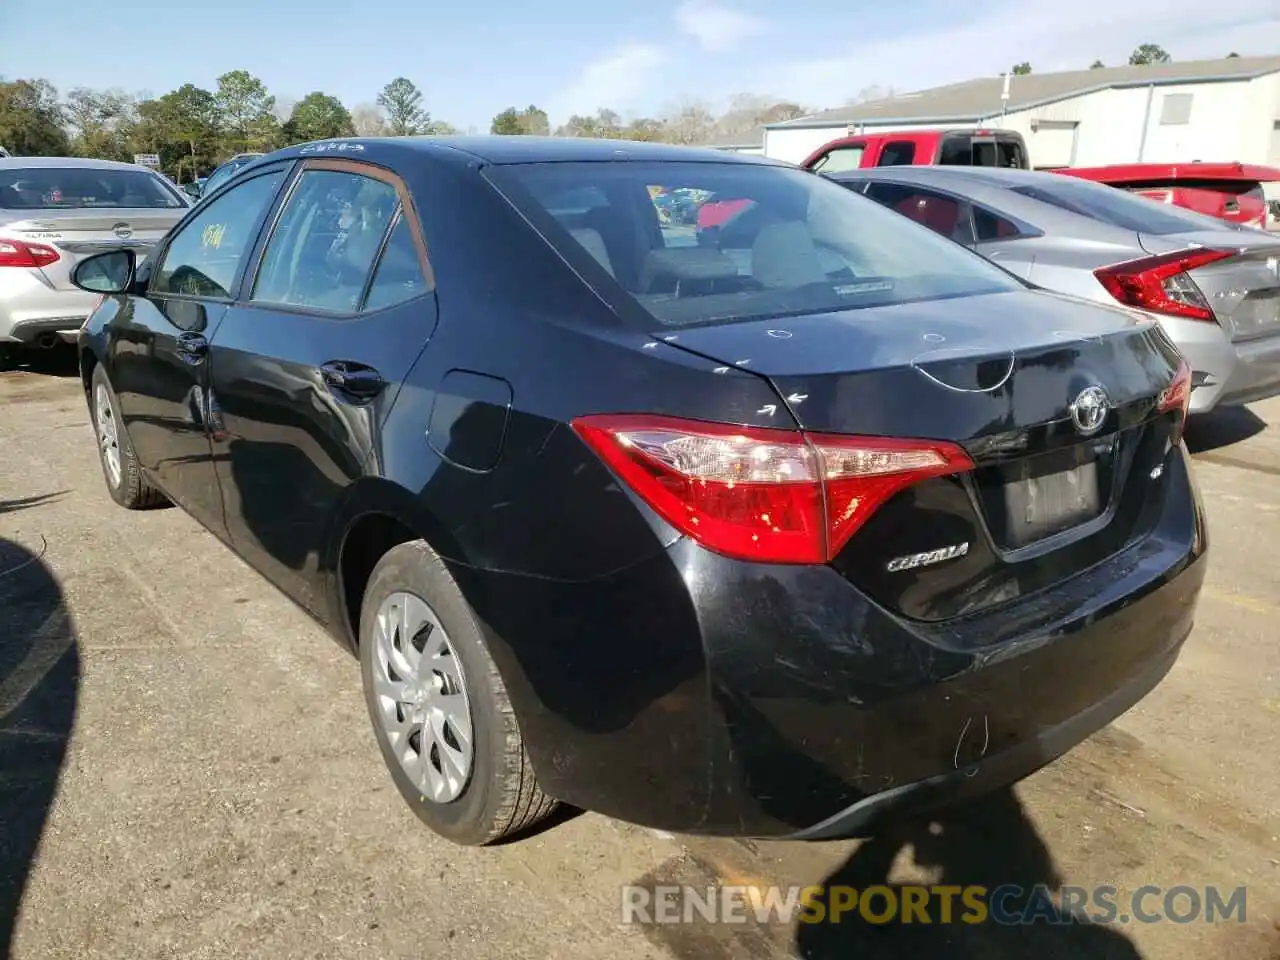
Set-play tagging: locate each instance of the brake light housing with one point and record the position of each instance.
(759, 493)
(1177, 396)
(1162, 284)
(21, 253)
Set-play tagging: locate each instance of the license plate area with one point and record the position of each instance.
(1037, 497)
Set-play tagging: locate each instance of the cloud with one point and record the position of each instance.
(716, 28)
(999, 33)
(621, 80)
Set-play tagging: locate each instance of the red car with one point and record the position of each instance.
(1234, 192)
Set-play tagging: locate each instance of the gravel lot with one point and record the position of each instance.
(186, 768)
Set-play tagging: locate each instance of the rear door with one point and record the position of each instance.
(305, 365)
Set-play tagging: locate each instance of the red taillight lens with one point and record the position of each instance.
(773, 496)
(1162, 284)
(19, 253)
(1177, 396)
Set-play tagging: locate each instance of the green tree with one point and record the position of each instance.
(1232, 55)
(245, 112)
(187, 117)
(1097, 65)
(402, 102)
(318, 116)
(530, 121)
(1149, 53)
(31, 119)
(1021, 69)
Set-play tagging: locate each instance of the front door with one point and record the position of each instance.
(305, 366)
(160, 344)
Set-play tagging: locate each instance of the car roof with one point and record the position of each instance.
(495, 149)
(87, 163)
(941, 175)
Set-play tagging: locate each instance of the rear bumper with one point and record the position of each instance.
(700, 694)
(1227, 373)
(30, 309)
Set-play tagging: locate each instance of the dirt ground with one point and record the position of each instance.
(186, 769)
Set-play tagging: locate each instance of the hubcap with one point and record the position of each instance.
(421, 693)
(108, 436)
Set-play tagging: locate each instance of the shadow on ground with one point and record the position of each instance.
(988, 843)
(55, 361)
(39, 681)
(1222, 428)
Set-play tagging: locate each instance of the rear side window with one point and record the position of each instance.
(204, 255)
(767, 241)
(1111, 206)
(398, 276)
(898, 153)
(840, 159)
(322, 249)
(84, 188)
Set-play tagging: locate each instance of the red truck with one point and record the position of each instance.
(1235, 192)
(964, 147)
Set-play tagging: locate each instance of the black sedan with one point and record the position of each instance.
(820, 521)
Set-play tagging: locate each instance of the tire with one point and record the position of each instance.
(498, 795)
(125, 481)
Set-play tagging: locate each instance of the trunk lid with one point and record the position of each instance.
(999, 375)
(1244, 289)
(80, 233)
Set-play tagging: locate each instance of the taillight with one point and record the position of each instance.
(19, 253)
(774, 496)
(1162, 284)
(1177, 396)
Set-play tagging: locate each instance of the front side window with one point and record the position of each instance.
(322, 249)
(85, 188)
(769, 241)
(205, 254)
(840, 159)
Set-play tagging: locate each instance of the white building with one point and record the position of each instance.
(1210, 110)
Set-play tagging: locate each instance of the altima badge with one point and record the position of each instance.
(913, 560)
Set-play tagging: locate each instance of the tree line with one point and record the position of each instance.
(192, 129)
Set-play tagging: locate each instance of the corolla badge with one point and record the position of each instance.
(122, 230)
(1089, 410)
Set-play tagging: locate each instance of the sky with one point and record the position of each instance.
(472, 60)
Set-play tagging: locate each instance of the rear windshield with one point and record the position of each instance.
(1116, 207)
(696, 243)
(76, 188)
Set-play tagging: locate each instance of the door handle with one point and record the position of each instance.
(355, 379)
(192, 345)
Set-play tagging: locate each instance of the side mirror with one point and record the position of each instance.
(110, 272)
(192, 190)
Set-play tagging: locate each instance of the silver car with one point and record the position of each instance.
(1214, 287)
(53, 212)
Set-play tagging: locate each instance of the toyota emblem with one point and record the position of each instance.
(1089, 410)
(122, 230)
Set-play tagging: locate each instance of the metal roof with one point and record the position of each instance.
(974, 100)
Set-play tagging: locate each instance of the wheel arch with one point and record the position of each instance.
(376, 515)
